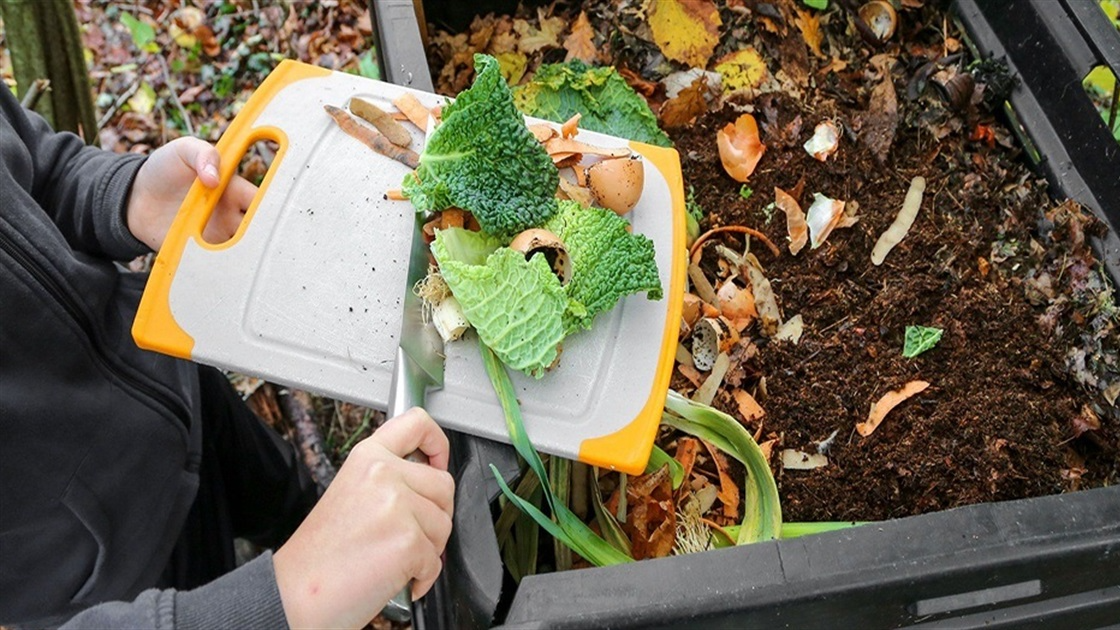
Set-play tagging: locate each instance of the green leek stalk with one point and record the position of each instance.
(567, 528)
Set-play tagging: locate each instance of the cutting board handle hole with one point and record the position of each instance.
(254, 166)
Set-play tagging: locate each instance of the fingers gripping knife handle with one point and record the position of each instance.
(406, 392)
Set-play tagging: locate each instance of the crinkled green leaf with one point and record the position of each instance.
(919, 339)
(608, 262)
(482, 158)
(606, 102)
(516, 306)
(464, 246)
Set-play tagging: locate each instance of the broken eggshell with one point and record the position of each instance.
(825, 140)
(881, 17)
(617, 184)
(710, 337)
(537, 240)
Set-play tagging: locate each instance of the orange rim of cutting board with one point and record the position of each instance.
(628, 449)
(155, 327)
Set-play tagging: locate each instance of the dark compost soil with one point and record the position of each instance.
(996, 421)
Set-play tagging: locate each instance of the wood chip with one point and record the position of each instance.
(884, 405)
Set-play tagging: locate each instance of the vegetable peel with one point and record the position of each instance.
(884, 405)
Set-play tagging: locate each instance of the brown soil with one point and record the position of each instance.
(995, 423)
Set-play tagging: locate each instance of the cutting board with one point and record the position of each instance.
(308, 292)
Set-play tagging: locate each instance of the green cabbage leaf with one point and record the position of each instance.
(606, 102)
(483, 158)
(608, 262)
(517, 306)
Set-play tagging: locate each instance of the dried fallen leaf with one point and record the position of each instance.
(685, 30)
(1085, 421)
(810, 26)
(889, 401)
(742, 69)
(686, 106)
(512, 66)
(651, 521)
(769, 316)
(800, 460)
(880, 121)
(728, 489)
(795, 220)
(822, 217)
(533, 38)
(580, 42)
(740, 148)
(748, 406)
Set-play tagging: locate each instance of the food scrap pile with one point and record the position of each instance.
(882, 292)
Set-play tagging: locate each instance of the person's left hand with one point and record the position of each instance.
(163, 182)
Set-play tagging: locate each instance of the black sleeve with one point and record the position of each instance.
(83, 189)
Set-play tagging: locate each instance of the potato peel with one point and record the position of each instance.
(884, 405)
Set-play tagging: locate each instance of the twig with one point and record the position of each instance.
(297, 406)
(741, 229)
(36, 90)
(127, 94)
(173, 87)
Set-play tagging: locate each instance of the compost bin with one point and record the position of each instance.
(1017, 563)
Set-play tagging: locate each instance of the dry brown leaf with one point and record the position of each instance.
(686, 106)
(1085, 421)
(810, 27)
(534, 38)
(880, 121)
(641, 86)
(728, 489)
(795, 220)
(692, 374)
(740, 148)
(685, 30)
(580, 43)
(651, 521)
(889, 401)
(748, 406)
(687, 448)
(835, 65)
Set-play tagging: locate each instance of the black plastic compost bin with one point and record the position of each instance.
(1030, 563)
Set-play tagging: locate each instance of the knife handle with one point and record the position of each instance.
(406, 392)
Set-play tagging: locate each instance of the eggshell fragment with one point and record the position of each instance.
(825, 141)
(822, 217)
(617, 184)
(740, 148)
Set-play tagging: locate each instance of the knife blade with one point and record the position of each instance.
(418, 367)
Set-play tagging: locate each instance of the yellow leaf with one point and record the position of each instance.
(742, 69)
(685, 30)
(810, 27)
(580, 43)
(512, 66)
(144, 101)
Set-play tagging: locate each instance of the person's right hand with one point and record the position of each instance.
(382, 522)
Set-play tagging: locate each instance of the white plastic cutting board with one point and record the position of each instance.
(309, 291)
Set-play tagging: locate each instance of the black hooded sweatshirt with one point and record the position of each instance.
(99, 440)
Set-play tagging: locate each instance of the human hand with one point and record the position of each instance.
(163, 182)
(382, 522)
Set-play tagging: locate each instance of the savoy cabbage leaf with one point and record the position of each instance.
(606, 102)
(608, 262)
(517, 306)
(483, 158)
